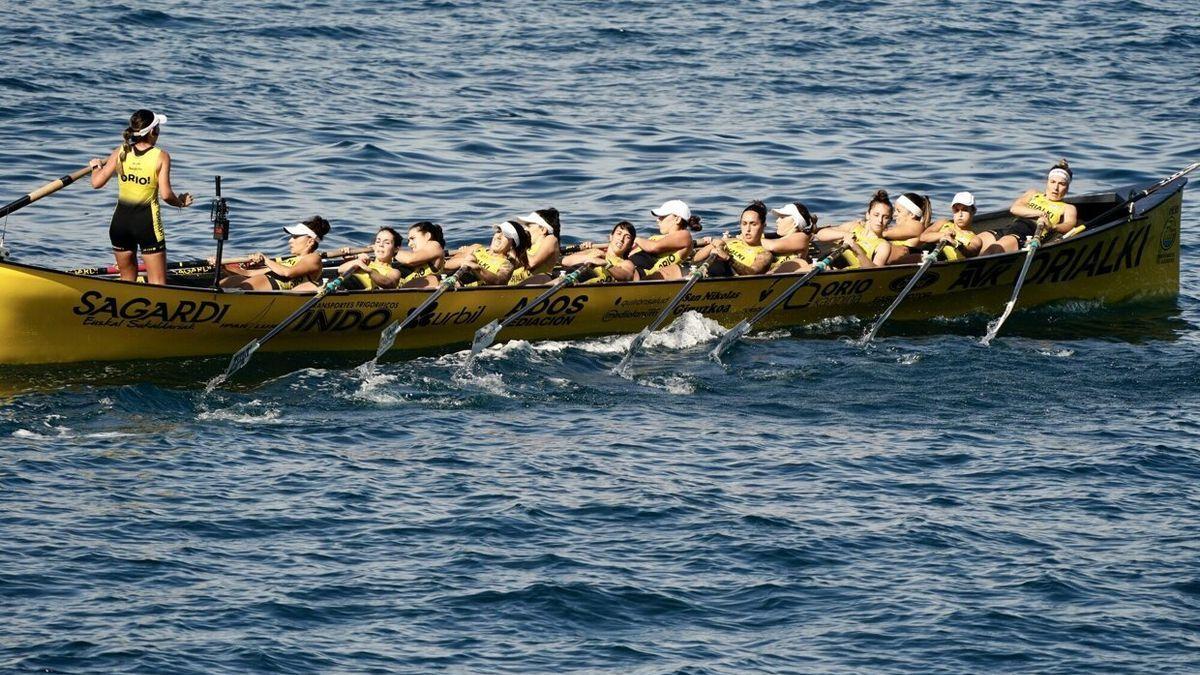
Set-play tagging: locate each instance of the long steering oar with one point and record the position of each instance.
(388, 337)
(47, 189)
(242, 357)
(731, 336)
(1030, 250)
(696, 274)
(486, 335)
(927, 259)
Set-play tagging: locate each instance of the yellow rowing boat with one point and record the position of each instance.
(50, 316)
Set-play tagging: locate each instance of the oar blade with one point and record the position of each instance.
(634, 346)
(239, 361)
(388, 338)
(729, 339)
(484, 337)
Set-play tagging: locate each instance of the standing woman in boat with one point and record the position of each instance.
(544, 252)
(864, 240)
(610, 261)
(954, 238)
(1036, 211)
(742, 255)
(494, 265)
(913, 214)
(794, 225)
(659, 256)
(144, 177)
(425, 257)
(285, 273)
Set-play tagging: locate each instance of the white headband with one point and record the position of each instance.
(908, 205)
(509, 231)
(1057, 172)
(302, 230)
(158, 119)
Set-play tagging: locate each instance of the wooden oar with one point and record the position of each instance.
(388, 337)
(927, 259)
(203, 266)
(486, 335)
(734, 334)
(242, 357)
(696, 274)
(47, 189)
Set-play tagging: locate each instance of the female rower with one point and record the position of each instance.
(285, 273)
(742, 255)
(144, 172)
(1036, 212)
(493, 266)
(794, 225)
(544, 251)
(610, 261)
(954, 237)
(659, 256)
(425, 257)
(865, 245)
(913, 213)
(371, 273)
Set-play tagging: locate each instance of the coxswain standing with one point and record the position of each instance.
(144, 171)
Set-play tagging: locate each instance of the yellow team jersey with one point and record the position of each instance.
(522, 273)
(602, 274)
(426, 269)
(867, 240)
(287, 284)
(742, 255)
(138, 179)
(1054, 210)
(364, 278)
(960, 236)
(665, 259)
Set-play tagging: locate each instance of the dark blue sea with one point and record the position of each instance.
(925, 504)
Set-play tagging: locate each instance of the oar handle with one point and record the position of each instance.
(49, 188)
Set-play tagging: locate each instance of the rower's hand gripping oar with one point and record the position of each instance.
(697, 273)
(242, 357)
(486, 335)
(731, 336)
(388, 337)
(47, 189)
(927, 259)
(202, 266)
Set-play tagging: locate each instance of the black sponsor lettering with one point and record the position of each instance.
(182, 310)
(1088, 263)
(134, 309)
(980, 274)
(1105, 267)
(142, 313)
(86, 306)
(1058, 264)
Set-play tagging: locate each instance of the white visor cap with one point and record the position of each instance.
(673, 207)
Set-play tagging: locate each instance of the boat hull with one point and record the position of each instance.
(47, 316)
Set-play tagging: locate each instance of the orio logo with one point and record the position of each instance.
(139, 180)
(928, 279)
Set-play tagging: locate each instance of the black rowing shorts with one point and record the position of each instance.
(137, 226)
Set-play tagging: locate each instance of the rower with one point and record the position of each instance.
(660, 256)
(260, 273)
(865, 245)
(913, 214)
(370, 270)
(794, 225)
(1043, 212)
(742, 255)
(544, 252)
(425, 257)
(954, 238)
(144, 171)
(494, 266)
(610, 261)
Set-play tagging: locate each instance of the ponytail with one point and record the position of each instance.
(693, 223)
(139, 120)
(880, 197)
(432, 229)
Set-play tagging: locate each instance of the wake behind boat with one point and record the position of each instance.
(50, 316)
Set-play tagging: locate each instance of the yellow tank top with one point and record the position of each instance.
(962, 237)
(522, 273)
(424, 270)
(665, 259)
(742, 253)
(866, 239)
(138, 180)
(365, 279)
(1053, 210)
(288, 284)
(602, 274)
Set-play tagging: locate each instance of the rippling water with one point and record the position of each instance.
(924, 504)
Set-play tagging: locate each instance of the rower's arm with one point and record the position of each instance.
(305, 266)
(164, 184)
(1021, 209)
(796, 242)
(545, 252)
(1069, 220)
(675, 241)
(427, 254)
(102, 171)
(758, 266)
(933, 234)
(625, 271)
(498, 278)
(835, 233)
(586, 256)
